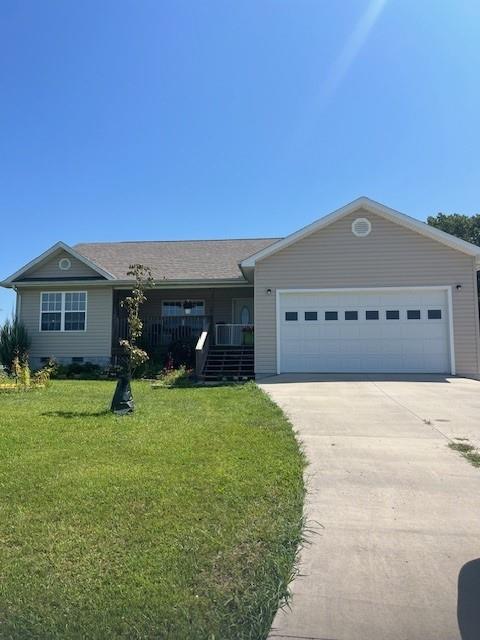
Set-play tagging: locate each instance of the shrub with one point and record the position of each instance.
(14, 343)
(21, 373)
(153, 366)
(79, 371)
(182, 352)
(181, 377)
(22, 380)
(42, 377)
(24, 376)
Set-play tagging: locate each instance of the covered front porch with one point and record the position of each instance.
(225, 315)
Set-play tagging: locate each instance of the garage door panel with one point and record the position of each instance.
(390, 347)
(437, 332)
(432, 347)
(382, 338)
(388, 331)
(330, 330)
(348, 330)
(369, 331)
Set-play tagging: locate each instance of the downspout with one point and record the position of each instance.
(18, 303)
(476, 287)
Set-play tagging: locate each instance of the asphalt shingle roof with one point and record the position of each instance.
(175, 260)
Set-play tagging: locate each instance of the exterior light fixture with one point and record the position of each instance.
(188, 306)
(269, 292)
(458, 287)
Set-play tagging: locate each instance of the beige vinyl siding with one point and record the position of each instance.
(94, 343)
(390, 256)
(50, 269)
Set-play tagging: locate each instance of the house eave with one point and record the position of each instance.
(127, 284)
(14, 278)
(189, 284)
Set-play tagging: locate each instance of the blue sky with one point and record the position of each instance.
(155, 119)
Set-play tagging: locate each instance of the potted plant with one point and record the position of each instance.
(247, 333)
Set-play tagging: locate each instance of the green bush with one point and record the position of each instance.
(14, 343)
(182, 352)
(170, 378)
(79, 371)
(153, 366)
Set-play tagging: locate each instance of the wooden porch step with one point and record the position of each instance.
(229, 364)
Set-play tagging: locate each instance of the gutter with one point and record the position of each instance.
(127, 284)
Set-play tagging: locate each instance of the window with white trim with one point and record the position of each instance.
(63, 311)
(183, 308)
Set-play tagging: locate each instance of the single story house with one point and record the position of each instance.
(363, 289)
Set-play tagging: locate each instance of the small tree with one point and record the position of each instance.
(133, 355)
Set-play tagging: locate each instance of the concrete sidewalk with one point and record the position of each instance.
(396, 513)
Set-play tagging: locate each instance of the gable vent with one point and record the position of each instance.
(361, 227)
(64, 264)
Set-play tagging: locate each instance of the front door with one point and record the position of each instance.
(242, 311)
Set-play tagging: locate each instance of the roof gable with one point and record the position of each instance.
(366, 204)
(43, 267)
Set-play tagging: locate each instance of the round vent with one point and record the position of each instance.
(361, 227)
(64, 264)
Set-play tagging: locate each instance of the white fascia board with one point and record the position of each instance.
(375, 208)
(188, 284)
(57, 246)
(127, 284)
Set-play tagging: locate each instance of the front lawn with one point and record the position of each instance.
(180, 521)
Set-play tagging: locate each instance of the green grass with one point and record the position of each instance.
(468, 451)
(181, 521)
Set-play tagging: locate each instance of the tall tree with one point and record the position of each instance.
(464, 227)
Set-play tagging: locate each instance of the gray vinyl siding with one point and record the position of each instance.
(218, 302)
(390, 256)
(94, 344)
(50, 269)
(223, 300)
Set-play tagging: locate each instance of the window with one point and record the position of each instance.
(183, 308)
(371, 315)
(75, 308)
(51, 312)
(351, 315)
(63, 311)
(392, 315)
(310, 315)
(291, 316)
(331, 315)
(245, 315)
(434, 314)
(413, 314)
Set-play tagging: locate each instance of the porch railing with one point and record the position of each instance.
(162, 331)
(233, 335)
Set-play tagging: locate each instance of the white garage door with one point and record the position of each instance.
(364, 331)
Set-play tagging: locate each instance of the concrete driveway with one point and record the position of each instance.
(395, 512)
